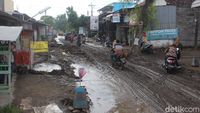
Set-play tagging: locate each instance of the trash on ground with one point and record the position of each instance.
(81, 72)
(51, 108)
(59, 38)
(26, 104)
(46, 67)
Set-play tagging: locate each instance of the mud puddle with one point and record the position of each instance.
(107, 94)
(99, 90)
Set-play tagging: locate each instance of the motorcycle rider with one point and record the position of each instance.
(172, 52)
(117, 50)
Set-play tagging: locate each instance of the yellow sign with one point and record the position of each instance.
(39, 46)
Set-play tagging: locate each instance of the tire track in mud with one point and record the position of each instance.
(146, 84)
(138, 90)
(163, 79)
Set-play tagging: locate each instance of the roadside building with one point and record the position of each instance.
(185, 21)
(32, 31)
(8, 20)
(7, 6)
(10, 29)
(114, 21)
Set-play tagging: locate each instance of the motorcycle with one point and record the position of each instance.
(118, 61)
(145, 47)
(108, 44)
(171, 64)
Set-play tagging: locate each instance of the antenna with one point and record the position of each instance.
(92, 6)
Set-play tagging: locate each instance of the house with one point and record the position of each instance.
(7, 6)
(10, 28)
(114, 22)
(8, 20)
(185, 21)
(32, 31)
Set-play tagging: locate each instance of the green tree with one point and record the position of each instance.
(49, 20)
(72, 19)
(84, 21)
(145, 14)
(61, 22)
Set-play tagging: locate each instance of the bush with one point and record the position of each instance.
(10, 109)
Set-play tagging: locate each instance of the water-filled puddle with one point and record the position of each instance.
(99, 92)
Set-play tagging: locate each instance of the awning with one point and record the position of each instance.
(196, 3)
(8, 33)
(122, 5)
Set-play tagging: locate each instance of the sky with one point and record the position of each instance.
(31, 7)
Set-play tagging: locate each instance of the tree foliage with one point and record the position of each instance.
(84, 21)
(68, 22)
(145, 14)
(61, 22)
(72, 19)
(49, 20)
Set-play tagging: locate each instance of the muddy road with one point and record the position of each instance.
(142, 87)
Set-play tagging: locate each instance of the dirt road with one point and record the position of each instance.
(145, 85)
(142, 87)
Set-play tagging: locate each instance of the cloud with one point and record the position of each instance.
(31, 7)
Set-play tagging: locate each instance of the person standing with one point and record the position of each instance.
(78, 43)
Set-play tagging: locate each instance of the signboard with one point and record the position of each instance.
(166, 34)
(94, 23)
(116, 18)
(39, 46)
(81, 30)
(126, 19)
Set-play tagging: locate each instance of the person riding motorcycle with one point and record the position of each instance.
(172, 52)
(117, 50)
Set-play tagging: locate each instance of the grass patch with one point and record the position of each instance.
(10, 109)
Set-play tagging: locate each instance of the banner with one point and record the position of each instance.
(94, 23)
(39, 46)
(165, 34)
(116, 18)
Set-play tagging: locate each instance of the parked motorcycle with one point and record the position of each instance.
(170, 64)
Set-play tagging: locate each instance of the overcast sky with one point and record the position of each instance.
(31, 7)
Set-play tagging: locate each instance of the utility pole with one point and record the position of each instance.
(92, 6)
(195, 60)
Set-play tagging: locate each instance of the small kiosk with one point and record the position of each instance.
(7, 36)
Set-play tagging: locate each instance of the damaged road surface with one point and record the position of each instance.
(142, 87)
(138, 88)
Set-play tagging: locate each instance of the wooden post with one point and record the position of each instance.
(196, 30)
(195, 61)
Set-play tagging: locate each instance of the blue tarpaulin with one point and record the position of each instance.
(121, 5)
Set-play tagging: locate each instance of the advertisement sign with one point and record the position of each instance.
(94, 23)
(116, 18)
(81, 30)
(126, 19)
(166, 34)
(39, 46)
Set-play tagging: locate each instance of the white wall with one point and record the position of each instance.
(161, 43)
(160, 2)
(8, 5)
